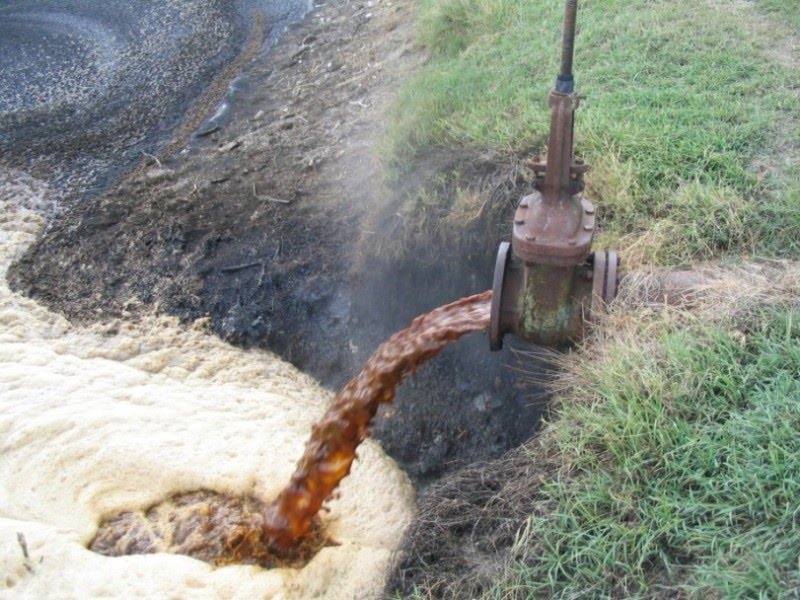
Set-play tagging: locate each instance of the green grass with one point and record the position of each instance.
(683, 100)
(680, 442)
(787, 9)
(684, 472)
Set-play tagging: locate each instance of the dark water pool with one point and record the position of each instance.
(88, 86)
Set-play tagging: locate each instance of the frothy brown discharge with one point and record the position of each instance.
(211, 527)
(330, 452)
(220, 529)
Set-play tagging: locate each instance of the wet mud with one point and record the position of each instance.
(204, 525)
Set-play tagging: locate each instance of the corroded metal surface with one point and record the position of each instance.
(544, 288)
(605, 277)
(555, 232)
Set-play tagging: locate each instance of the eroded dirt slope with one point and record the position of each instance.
(258, 226)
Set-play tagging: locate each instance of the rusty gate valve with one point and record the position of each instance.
(547, 279)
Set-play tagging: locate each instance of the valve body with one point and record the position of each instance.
(547, 279)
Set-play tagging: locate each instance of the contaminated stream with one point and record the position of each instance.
(191, 437)
(287, 532)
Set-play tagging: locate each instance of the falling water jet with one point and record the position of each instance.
(332, 447)
(287, 532)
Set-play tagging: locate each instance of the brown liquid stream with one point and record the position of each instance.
(221, 530)
(332, 447)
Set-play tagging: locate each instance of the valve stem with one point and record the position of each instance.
(565, 83)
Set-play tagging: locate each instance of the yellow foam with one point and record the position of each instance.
(119, 416)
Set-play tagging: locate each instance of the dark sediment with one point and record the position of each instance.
(89, 89)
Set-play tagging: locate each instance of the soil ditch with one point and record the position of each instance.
(275, 225)
(259, 225)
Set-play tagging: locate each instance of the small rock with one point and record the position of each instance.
(158, 174)
(480, 402)
(229, 146)
(207, 129)
(312, 162)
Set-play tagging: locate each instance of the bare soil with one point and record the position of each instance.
(260, 225)
(467, 525)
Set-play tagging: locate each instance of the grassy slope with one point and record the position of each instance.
(682, 102)
(684, 470)
(679, 443)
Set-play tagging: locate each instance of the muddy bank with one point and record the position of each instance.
(260, 224)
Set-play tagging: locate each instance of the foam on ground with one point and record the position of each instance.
(119, 416)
